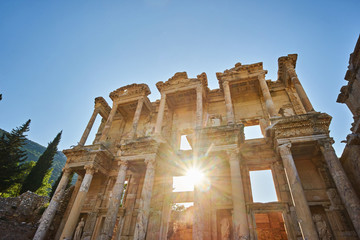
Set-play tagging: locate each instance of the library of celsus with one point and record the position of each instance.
(126, 178)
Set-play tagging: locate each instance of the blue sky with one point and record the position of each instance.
(57, 56)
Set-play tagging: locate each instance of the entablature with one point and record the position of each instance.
(97, 155)
(103, 107)
(241, 73)
(220, 137)
(300, 126)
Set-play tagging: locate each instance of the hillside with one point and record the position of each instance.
(34, 150)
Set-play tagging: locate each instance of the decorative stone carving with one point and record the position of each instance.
(225, 229)
(130, 90)
(79, 229)
(322, 228)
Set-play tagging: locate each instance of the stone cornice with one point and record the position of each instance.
(130, 91)
(240, 72)
(180, 80)
(102, 106)
(300, 126)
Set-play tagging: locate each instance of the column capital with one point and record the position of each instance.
(225, 82)
(326, 144)
(261, 76)
(123, 162)
(163, 94)
(90, 169)
(233, 155)
(150, 162)
(67, 170)
(284, 148)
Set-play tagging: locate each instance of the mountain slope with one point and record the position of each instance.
(34, 150)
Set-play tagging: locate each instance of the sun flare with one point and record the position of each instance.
(194, 175)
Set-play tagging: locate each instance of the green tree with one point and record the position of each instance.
(12, 157)
(34, 180)
(14, 190)
(45, 187)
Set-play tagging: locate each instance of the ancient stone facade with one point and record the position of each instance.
(125, 191)
(350, 95)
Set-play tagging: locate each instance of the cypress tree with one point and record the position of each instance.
(12, 156)
(34, 180)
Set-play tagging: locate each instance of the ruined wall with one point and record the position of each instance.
(139, 141)
(350, 95)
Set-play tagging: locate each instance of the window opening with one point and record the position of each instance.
(123, 195)
(184, 143)
(183, 184)
(262, 186)
(94, 132)
(253, 132)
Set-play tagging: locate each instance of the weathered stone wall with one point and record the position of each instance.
(350, 95)
(19, 215)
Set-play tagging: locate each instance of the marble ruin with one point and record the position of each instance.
(125, 186)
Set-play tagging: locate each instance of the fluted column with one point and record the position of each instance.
(297, 192)
(300, 90)
(88, 127)
(144, 208)
(137, 114)
(109, 122)
(199, 107)
(78, 204)
(160, 114)
(228, 103)
(240, 223)
(346, 190)
(114, 202)
(267, 96)
(50, 211)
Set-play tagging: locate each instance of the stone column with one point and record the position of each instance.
(300, 90)
(198, 225)
(240, 223)
(160, 115)
(199, 107)
(50, 211)
(343, 185)
(109, 122)
(297, 192)
(228, 103)
(114, 203)
(78, 203)
(144, 208)
(267, 96)
(88, 127)
(136, 117)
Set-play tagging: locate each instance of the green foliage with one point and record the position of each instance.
(33, 152)
(35, 178)
(12, 156)
(45, 187)
(14, 190)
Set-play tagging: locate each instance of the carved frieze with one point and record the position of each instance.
(97, 154)
(141, 146)
(240, 72)
(221, 135)
(180, 79)
(103, 106)
(130, 91)
(301, 125)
